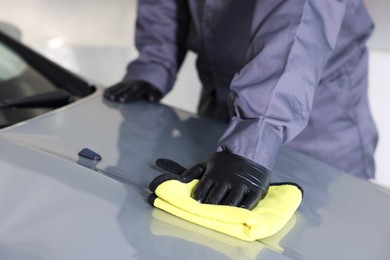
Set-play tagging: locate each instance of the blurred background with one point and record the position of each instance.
(94, 38)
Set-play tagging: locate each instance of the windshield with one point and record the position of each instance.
(19, 79)
(11, 65)
(31, 85)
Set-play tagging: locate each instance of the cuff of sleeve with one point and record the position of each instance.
(153, 74)
(253, 139)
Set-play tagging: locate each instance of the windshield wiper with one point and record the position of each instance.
(50, 99)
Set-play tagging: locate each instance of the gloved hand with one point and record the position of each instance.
(225, 179)
(128, 91)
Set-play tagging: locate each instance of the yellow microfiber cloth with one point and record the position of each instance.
(270, 215)
(167, 225)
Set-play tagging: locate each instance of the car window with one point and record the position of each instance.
(31, 85)
(11, 64)
(18, 79)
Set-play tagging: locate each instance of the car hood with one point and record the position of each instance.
(55, 206)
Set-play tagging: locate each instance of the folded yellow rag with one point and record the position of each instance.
(267, 218)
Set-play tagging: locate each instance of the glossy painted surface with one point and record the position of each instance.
(53, 208)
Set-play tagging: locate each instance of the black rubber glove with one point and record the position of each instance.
(128, 91)
(225, 179)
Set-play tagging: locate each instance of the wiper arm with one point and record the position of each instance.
(50, 99)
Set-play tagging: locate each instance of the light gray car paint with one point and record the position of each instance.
(53, 208)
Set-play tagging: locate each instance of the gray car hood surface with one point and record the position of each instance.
(51, 207)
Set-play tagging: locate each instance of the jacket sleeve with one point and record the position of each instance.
(271, 96)
(160, 36)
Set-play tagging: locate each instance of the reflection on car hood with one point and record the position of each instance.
(52, 207)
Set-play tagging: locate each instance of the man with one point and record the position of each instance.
(280, 72)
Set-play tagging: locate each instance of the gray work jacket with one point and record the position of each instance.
(263, 61)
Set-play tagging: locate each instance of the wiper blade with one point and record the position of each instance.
(50, 99)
